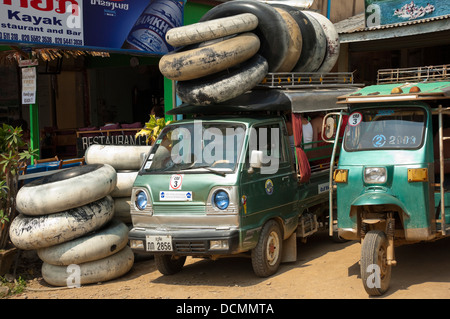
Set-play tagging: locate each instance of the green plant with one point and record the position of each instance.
(14, 153)
(152, 128)
(16, 287)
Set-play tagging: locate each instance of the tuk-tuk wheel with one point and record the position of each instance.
(375, 272)
(266, 256)
(169, 264)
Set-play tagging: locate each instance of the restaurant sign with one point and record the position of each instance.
(382, 12)
(114, 25)
(83, 142)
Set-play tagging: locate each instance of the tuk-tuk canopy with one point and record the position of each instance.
(405, 84)
(399, 92)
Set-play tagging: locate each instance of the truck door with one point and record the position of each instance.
(271, 190)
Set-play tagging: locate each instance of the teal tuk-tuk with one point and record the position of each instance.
(391, 184)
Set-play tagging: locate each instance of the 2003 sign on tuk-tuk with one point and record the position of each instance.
(391, 182)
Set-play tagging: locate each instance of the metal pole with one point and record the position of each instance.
(328, 9)
(333, 155)
(34, 128)
(441, 170)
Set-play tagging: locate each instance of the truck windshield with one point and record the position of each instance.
(385, 128)
(199, 147)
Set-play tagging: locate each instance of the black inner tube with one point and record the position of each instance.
(271, 30)
(65, 174)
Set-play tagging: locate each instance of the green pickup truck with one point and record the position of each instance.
(227, 181)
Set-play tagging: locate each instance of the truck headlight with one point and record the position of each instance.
(375, 175)
(141, 200)
(221, 199)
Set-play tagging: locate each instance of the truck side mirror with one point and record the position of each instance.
(256, 160)
(329, 127)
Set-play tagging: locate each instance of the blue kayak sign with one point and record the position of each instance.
(114, 25)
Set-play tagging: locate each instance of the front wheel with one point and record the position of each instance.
(169, 264)
(266, 256)
(375, 271)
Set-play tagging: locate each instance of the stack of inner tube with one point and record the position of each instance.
(68, 217)
(235, 44)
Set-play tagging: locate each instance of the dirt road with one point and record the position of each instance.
(323, 269)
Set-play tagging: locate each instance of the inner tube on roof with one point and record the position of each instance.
(295, 42)
(209, 59)
(332, 40)
(222, 87)
(209, 30)
(271, 30)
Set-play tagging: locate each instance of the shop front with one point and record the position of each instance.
(394, 34)
(96, 68)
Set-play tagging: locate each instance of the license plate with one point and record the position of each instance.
(159, 243)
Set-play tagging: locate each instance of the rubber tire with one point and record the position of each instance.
(333, 43)
(124, 185)
(100, 270)
(222, 87)
(373, 251)
(295, 42)
(121, 157)
(169, 264)
(210, 59)
(67, 189)
(105, 242)
(35, 232)
(272, 30)
(311, 39)
(122, 209)
(262, 266)
(209, 30)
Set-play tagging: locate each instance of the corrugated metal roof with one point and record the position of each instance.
(353, 29)
(357, 24)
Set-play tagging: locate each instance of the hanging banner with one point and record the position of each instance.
(29, 85)
(381, 12)
(114, 25)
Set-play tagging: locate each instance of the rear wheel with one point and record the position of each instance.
(375, 271)
(169, 264)
(266, 256)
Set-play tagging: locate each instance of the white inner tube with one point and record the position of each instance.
(118, 156)
(34, 232)
(67, 189)
(209, 30)
(124, 185)
(100, 244)
(208, 91)
(209, 59)
(333, 43)
(95, 271)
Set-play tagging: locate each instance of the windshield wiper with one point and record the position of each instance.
(207, 168)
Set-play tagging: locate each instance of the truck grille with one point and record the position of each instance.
(186, 246)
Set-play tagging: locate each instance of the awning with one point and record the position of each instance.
(297, 101)
(353, 29)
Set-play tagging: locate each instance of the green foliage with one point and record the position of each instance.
(16, 287)
(14, 153)
(152, 129)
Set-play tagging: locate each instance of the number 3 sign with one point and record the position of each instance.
(354, 119)
(176, 181)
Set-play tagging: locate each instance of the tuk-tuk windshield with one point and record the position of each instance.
(385, 128)
(199, 147)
